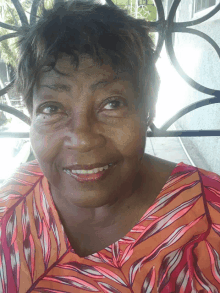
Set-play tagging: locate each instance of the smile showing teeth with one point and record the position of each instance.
(93, 171)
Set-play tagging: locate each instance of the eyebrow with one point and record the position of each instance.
(58, 87)
(99, 84)
(67, 88)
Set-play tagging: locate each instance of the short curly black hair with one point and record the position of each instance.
(83, 27)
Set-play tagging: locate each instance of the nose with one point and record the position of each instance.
(84, 138)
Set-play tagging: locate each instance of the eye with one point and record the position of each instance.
(50, 109)
(114, 104)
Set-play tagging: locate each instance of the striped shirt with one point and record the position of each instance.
(175, 246)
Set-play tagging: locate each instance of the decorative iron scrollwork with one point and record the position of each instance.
(165, 29)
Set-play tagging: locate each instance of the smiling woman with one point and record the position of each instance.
(99, 127)
(93, 212)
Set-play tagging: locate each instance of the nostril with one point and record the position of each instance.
(84, 141)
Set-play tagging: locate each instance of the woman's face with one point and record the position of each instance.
(88, 120)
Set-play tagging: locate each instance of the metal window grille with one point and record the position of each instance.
(166, 28)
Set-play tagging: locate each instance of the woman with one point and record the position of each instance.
(93, 213)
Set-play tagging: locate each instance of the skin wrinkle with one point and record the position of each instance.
(103, 44)
(117, 132)
(94, 214)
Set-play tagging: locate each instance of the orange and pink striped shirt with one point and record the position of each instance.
(175, 246)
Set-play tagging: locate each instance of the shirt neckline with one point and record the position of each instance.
(127, 235)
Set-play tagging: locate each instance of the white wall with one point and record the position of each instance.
(200, 61)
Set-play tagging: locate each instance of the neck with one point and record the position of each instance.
(101, 217)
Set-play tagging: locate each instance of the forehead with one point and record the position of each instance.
(87, 69)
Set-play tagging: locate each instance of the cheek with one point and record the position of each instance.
(130, 139)
(45, 146)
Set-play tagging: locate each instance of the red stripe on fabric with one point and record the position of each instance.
(9, 273)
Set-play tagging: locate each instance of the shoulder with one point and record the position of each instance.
(199, 189)
(21, 224)
(208, 182)
(210, 190)
(19, 186)
(185, 182)
(187, 216)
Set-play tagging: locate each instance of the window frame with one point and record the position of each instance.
(195, 2)
(201, 13)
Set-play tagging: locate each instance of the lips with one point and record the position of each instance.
(86, 167)
(82, 172)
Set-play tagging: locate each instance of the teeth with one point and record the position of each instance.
(95, 170)
(67, 171)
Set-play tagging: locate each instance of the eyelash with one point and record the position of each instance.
(114, 99)
(49, 104)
